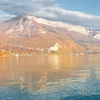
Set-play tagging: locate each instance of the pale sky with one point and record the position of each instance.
(77, 12)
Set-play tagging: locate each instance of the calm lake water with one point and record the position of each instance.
(75, 77)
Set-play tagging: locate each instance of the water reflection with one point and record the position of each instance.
(54, 62)
(42, 81)
(50, 77)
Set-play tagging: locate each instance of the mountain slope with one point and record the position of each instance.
(28, 34)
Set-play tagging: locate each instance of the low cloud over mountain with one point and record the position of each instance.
(47, 9)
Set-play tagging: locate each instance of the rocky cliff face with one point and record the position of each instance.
(37, 35)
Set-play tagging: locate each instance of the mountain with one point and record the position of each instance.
(31, 35)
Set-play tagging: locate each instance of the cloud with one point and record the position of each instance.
(5, 17)
(47, 9)
(73, 17)
(39, 2)
(21, 7)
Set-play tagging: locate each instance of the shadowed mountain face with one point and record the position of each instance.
(30, 34)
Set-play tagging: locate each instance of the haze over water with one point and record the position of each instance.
(55, 77)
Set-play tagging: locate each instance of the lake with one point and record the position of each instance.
(74, 77)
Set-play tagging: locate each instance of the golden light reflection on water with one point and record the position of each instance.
(40, 72)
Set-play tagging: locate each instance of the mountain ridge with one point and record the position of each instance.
(70, 27)
(39, 36)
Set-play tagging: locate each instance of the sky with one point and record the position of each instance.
(76, 12)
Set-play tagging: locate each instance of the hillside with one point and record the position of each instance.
(31, 35)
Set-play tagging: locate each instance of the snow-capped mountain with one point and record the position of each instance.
(28, 22)
(97, 36)
(69, 27)
(38, 35)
